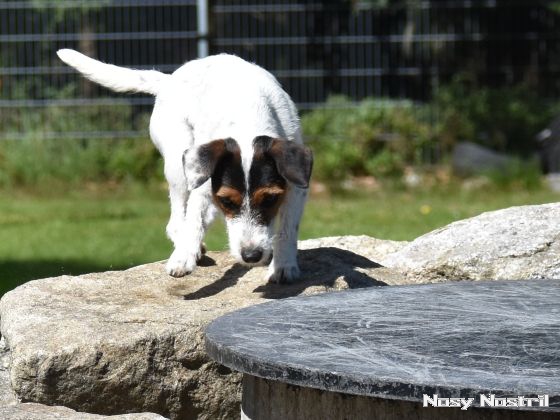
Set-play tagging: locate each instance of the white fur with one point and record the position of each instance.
(116, 78)
(211, 98)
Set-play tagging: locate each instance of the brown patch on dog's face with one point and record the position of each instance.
(228, 200)
(267, 187)
(228, 180)
(266, 200)
(258, 195)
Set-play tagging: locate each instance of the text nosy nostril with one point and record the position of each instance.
(252, 255)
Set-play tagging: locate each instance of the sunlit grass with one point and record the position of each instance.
(405, 215)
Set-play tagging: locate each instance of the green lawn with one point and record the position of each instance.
(89, 230)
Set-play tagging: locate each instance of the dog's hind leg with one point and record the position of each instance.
(284, 267)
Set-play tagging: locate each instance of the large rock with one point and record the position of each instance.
(11, 409)
(7, 396)
(515, 243)
(31, 411)
(132, 341)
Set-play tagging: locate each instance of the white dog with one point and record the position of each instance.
(230, 138)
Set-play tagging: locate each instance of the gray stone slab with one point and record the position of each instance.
(454, 339)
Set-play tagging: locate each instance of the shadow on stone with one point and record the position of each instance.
(229, 279)
(206, 261)
(322, 267)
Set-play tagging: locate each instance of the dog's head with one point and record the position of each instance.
(249, 196)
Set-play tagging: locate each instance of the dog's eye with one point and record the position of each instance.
(270, 200)
(228, 203)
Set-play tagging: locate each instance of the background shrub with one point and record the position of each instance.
(503, 119)
(517, 175)
(31, 162)
(34, 160)
(382, 137)
(376, 137)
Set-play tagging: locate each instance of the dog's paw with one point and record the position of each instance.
(178, 265)
(284, 275)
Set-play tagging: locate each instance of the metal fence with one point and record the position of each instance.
(390, 49)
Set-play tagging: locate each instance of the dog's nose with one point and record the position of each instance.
(251, 255)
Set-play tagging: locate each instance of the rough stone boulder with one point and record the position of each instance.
(514, 243)
(32, 411)
(12, 409)
(7, 396)
(132, 341)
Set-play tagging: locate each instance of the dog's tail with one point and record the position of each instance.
(116, 78)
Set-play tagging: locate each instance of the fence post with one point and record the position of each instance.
(202, 27)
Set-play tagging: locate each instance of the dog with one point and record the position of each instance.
(231, 140)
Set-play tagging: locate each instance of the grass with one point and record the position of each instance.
(405, 215)
(98, 229)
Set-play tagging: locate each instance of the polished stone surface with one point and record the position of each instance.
(453, 339)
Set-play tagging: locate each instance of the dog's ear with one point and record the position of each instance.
(199, 162)
(294, 161)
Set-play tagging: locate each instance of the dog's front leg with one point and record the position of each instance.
(284, 267)
(176, 227)
(188, 240)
